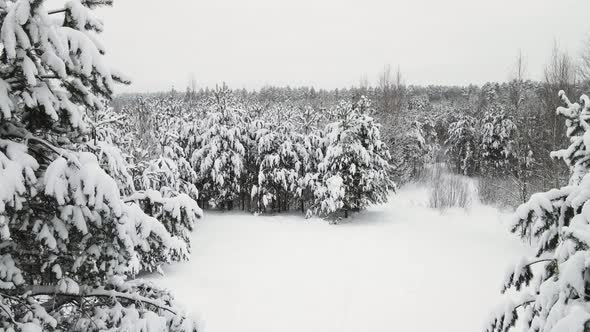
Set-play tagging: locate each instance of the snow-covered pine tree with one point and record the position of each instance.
(252, 123)
(69, 242)
(170, 172)
(105, 138)
(166, 190)
(280, 164)
(149, 122)
(308, 144)
(311, 153)
(168, 169)
(307, 119)
(356, 155)
(498, 133)
(167, 179)
(462, 144)
(414, 152)
(552, 287)
(219, 156)
(140, 128)
(163, 187)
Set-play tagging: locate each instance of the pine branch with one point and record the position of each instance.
(43, 142)
(7, 311)
(523, 304)
(28, 137)
(21, 79)
(540, 261)
(88, 3)
(53, 290)
(6, 244)
(107, 121)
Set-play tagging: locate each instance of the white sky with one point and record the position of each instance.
(332, 43)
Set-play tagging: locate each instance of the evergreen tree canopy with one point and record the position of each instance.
(553, 286)
(70, 243)
(356, 154)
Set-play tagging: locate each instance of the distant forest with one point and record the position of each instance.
(501, 130)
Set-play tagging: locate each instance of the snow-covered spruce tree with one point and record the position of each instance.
(553, 286)
(69, 242)
(219, 157)
(356, 155)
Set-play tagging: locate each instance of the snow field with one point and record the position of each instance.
(395, 267)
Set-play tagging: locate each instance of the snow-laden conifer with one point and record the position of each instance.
(553, 285)
(70, 243)
(218, 158)
(280, 164)
(355, 154)
(463, 144)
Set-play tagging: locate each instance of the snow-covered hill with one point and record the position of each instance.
(397, 267)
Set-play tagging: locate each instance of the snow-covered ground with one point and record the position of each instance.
(396, 267)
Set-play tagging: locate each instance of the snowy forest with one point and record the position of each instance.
(374, 207)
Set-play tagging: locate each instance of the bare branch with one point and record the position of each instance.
(57, 11)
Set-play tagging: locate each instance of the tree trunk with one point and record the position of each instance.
(286, 202)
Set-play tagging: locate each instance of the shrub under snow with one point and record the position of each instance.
(448, 190)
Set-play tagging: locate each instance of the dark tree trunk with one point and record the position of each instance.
(286, 202)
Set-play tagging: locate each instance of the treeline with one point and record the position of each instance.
(259, 156)
(498, 132)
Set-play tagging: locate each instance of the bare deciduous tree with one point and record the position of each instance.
(584, 66)
(364, 82)
(391, 96)
(392, 90)
(517, 83)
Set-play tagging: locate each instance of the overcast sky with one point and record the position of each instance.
(333, 43)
